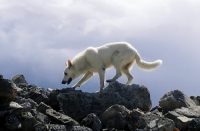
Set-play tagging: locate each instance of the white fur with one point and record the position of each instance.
(121, 55)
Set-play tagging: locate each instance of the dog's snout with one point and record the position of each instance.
(63, 82)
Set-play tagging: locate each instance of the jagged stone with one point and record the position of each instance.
(39, 95)
(28, 121)
(175, 99)
(194, 125)
(136, 113)
(157, 110)
(152, 122)
(42, 107)
(82, 103)
(8, 91)
(93, 122)
(40, 117)
(60, 118)
(118, 117)
(19, 79)
(183, 116)
(57, 127)
(196, 100)
(27, 104)
(78, 128)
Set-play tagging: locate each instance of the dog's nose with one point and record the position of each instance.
(63, 82)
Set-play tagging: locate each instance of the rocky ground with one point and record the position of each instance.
(116, 108)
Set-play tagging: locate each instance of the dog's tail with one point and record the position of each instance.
(146, 65)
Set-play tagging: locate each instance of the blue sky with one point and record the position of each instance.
(38, 37)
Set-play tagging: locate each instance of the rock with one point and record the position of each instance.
(19, 79)
(196, 100)
(175, 99)
(60, 118)
(27, 104)
(8, 91)
(28, 121)
(136, 113)
(12, 123)
(93, 122)
(43, 107)
(157, 110)
(118, 117)
(53, 99)
(82, 103)
(39, 95)
(194, 125)
(152, 122)
(183, 116)
(57, 127)
(40, 117)
(78, 128)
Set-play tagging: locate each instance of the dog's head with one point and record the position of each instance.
(69, 74)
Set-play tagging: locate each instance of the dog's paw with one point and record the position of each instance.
(109, 80)
(73, 88)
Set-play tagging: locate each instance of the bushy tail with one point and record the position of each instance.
(146, 65)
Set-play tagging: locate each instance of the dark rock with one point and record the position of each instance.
(41, 127)
(28, 121)
(57, 127)
(196, 100)
(43, 107)
(175, 99)
(8, 91)
(93, 122)
(60, 118)
(78, 128)
(194, 125)
(12, 122)
(39, 95)
(152, 122)
(19, 79)
(183, 116)
(40, 117)
(27, 104)
(53, 99)
(157, 111)
(117, 117)
(82, 103)
(136, 113)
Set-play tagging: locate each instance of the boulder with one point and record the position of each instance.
(27, 104)
(196, 100)
(152, 122)
(183, 116)
(82, 103)
(175, 99)
(194, 125)
(19, 79)
(60, 118)
(116, 116)
(93, 122)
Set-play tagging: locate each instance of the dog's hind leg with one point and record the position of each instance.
(102, 78)
(128, 75)
(125, 70)
(87, 76)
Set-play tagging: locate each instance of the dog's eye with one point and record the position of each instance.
(66, 74)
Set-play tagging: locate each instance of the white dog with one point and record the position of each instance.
(121, 55)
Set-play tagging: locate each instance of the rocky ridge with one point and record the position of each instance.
(25, 107)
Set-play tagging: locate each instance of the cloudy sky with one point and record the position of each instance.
(38, 37)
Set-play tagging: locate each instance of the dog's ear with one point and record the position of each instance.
(69, 63)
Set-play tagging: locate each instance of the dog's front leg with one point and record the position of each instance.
(102, 78)
(83, 79)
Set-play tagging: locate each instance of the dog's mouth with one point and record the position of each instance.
(67, 82)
